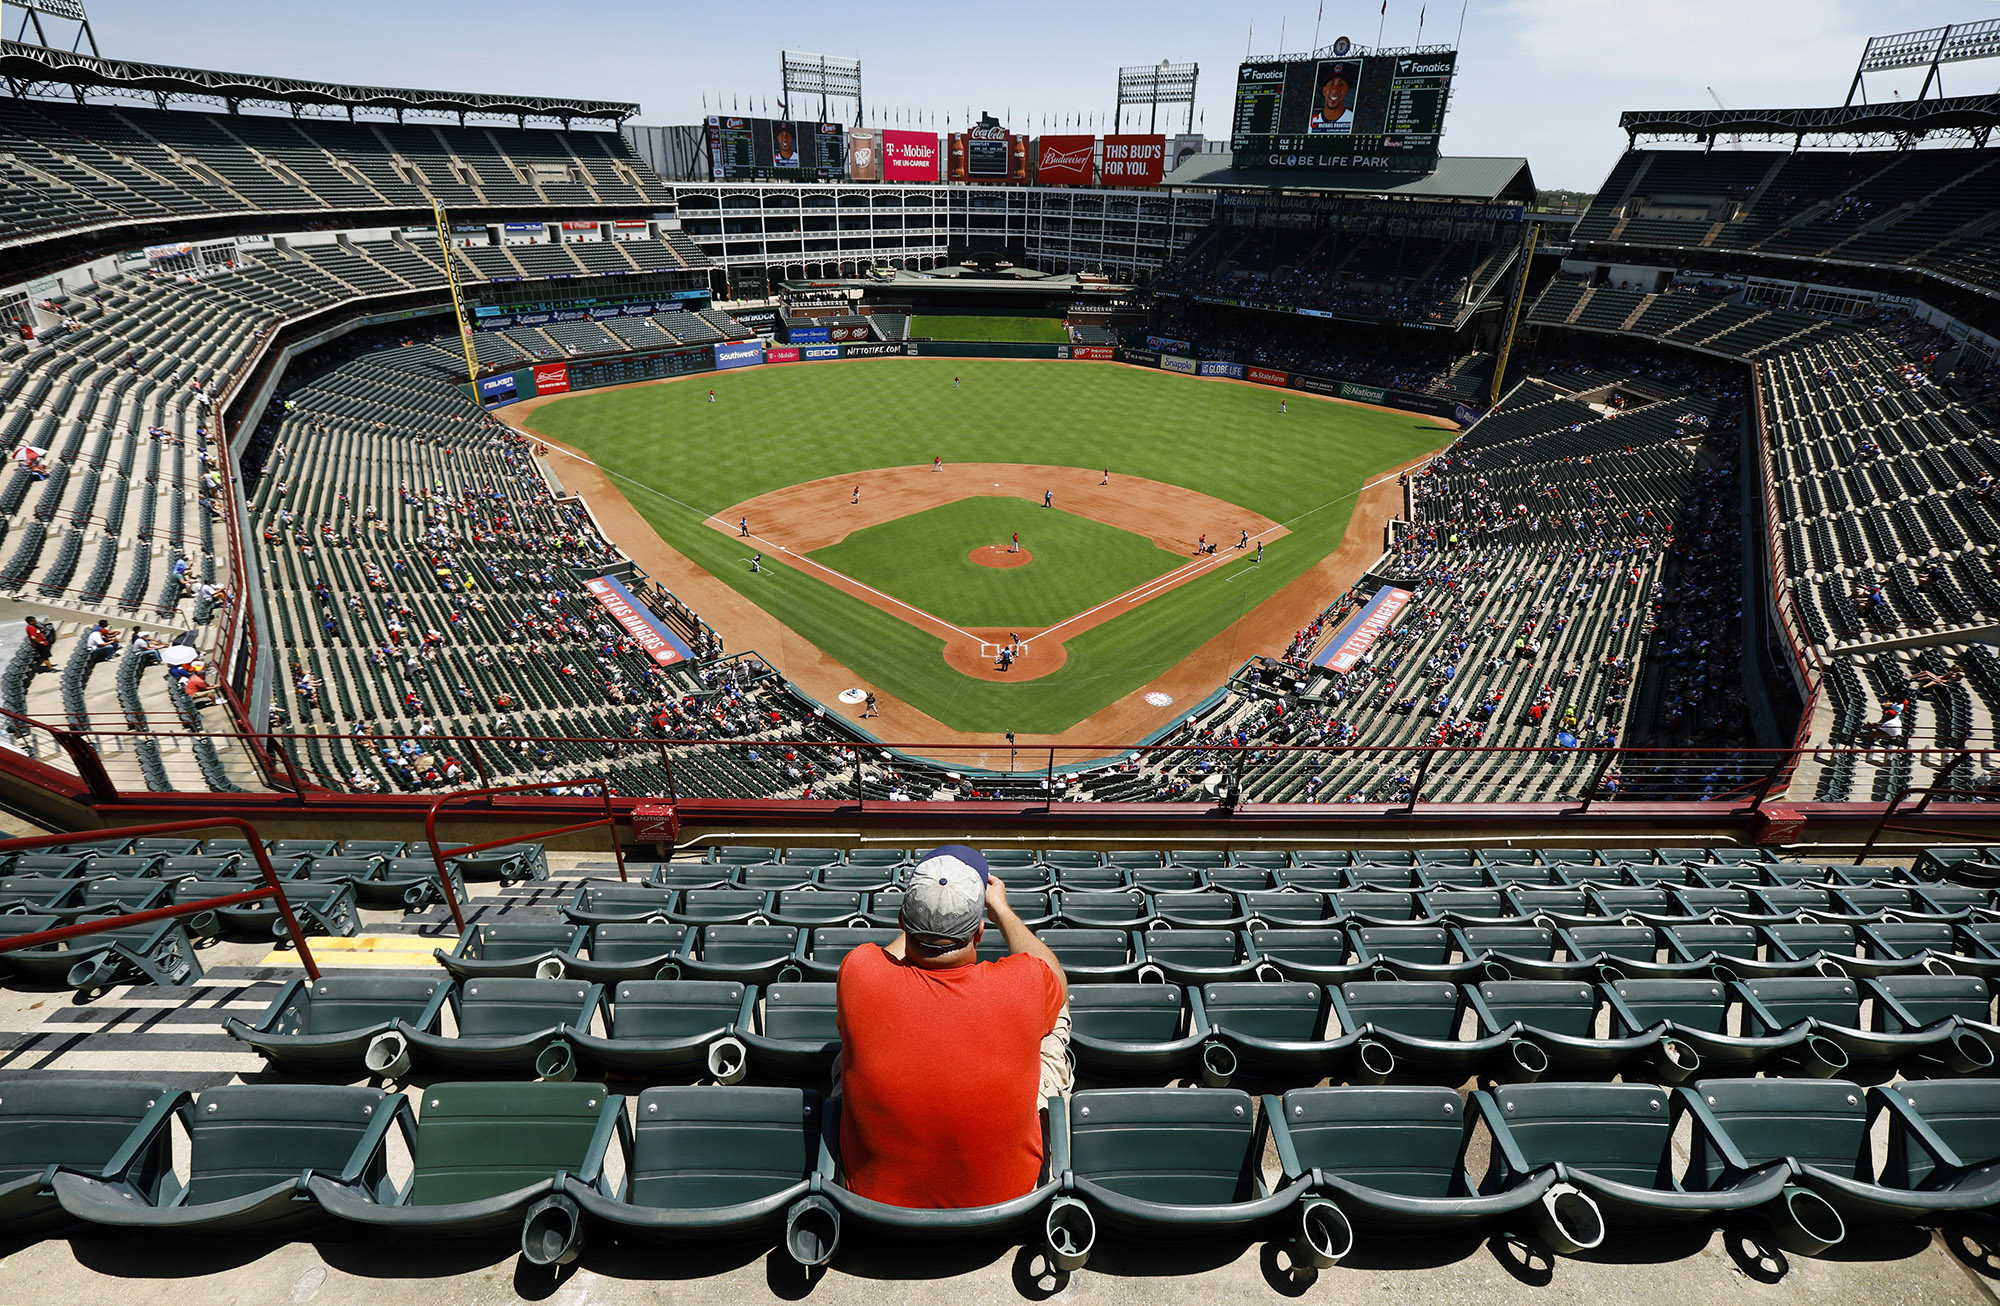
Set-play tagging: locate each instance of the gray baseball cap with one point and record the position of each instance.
(946, 900)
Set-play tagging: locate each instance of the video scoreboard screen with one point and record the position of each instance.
(1363, 111)
(776, 149)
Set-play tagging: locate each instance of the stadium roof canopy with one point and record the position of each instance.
(1485, 180)
(1972, 116)
(40, 70)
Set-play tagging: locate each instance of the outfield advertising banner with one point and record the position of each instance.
(808, 335)
(497, 389)
(909, 156)
(1265, 376)
(819, 353)
(1065, 160)
(1353, 640)
(1132, 161)
(1365, 394)
(1174, 363)
(871, 351)
(1317, 385)
(781, 354)
(1232, 370)
(1093, 353)
(1141, 357)
(551, 378)
(742, 353)
(645, 628)
(1169, 345)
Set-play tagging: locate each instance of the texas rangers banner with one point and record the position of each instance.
(1353, 640)
(639, 623)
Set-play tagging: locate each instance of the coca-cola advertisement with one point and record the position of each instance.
(909, 156)
(1133, 160)
(1065, 160)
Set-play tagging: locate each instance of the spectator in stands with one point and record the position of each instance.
(42, 638)
(944, 1058)
(101, 640)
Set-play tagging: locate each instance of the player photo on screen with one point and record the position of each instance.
(785, 145)
(1334, 86)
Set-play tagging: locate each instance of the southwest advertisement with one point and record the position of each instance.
(742, 353)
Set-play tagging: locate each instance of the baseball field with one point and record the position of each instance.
(954, 326)
(901, 570)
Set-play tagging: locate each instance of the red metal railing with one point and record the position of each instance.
(609, 821)
(272, 888)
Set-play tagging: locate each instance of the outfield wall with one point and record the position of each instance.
(554, 378)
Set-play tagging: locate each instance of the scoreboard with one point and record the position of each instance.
(621, 369)
(1381, 111)
(775, 149)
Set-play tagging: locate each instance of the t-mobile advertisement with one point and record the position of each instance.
(909, 156)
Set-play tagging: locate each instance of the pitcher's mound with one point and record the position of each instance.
(994, 555)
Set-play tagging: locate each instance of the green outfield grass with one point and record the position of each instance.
(679, 459)
(924, 560)
(1031, 330)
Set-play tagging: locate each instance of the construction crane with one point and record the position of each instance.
(1735, 142)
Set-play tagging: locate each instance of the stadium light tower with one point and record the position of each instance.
(816, 74)
(1155, 85)
(1929, 49)
(70, 11)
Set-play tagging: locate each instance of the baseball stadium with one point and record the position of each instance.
(1479, 698)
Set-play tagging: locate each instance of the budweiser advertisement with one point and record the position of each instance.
(551, 378)
(1065, 160)
(1132, 161)
(909, 156)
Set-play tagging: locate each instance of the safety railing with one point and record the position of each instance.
(608, 821)
(273, 887)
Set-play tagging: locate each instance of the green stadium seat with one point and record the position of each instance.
(1818, 1129)
(1411, 1030)
(327, 1024)
(1834, 1006)
(115, 1131)
(706, 1164)
(670, 1027)
(513, 948)
(1615, 1142)
(1560, 1018)
(1944, 1135)
(796, 1033)
(1697, 1013)
(1130, 1030)
(742, 954)
(1268, 1029)
(823, 950)
(1173, 1163)
(1313, 955)
(630, 951)
(482, 1155)
(599, 901)
(251, 1150)
(505, 1026)
(1198, 956)
(159, 952)
(1393, 1160)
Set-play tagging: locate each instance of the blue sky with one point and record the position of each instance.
(1541, 78)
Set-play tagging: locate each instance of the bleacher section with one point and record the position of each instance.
(70, 166)
(1928, 209)
(1775, 1007)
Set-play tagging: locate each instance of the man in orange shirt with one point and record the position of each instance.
(945, 1060)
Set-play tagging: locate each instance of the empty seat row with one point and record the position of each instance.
(762, 1165)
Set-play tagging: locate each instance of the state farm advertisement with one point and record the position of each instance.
(909, 156)
(1065, 160)
(1266, 376)
(1133, 161)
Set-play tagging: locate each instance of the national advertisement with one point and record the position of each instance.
(1232, 370)
(781, 354)
(1065, 160)
(1132, 161)
(1175, 363)
(1366, 394)
(864, 156)
(1353, 640)
(741, 353)
(1265, 376)
(871, 351)
(1141, 357)
(1093, 353)
(645, 628)
(819, 353)
(551, 378)
(909, 156)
